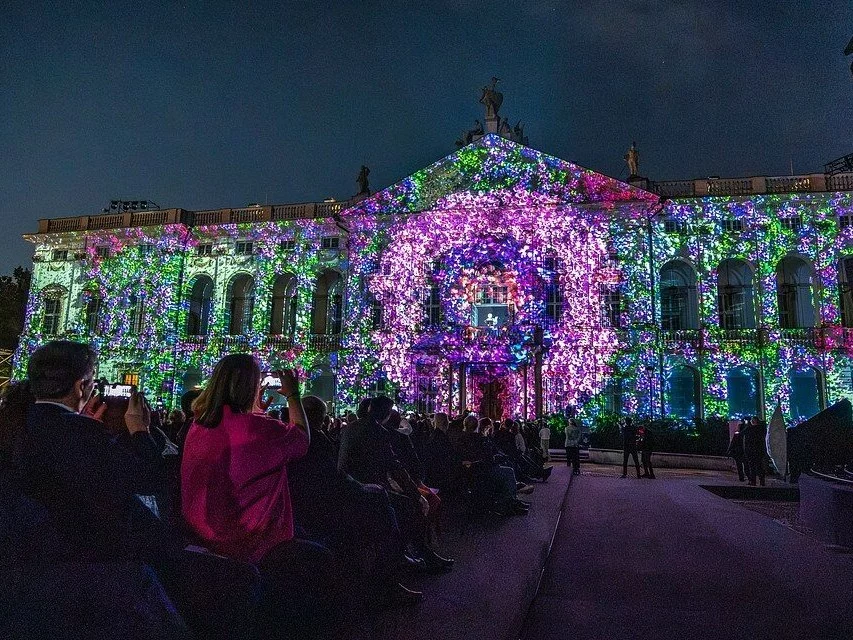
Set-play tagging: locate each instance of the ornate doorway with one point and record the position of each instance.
(492, 395)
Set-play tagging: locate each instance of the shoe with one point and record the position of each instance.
(643, 475)
(518, 510)
(523, 503)
(650, 477)
(525, 489)
(401, 596)
(624, 475)
(410, 563)
(576, 473)
(546, 473)
(437, 564)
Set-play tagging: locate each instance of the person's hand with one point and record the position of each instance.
(424, 506)
(94, 408)
(289, 382)
(138, 414)
(264, 403)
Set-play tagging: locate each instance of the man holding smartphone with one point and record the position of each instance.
(90, 480)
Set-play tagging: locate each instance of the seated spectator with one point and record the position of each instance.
(235, 495)
(405, 452)
(89, 480)
(494, 484)
(367, 455)
(355, 521)
(439, 456)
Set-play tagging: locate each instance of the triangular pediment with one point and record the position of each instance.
(495, 165)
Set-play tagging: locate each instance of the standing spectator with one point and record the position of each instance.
(572, 444)
(754, 450)
(736, 451)
(645, 444)
(629, 447)
(545, 439)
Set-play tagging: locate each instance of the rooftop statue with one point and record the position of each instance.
(363, 185)
(492, 99)
(633, 160)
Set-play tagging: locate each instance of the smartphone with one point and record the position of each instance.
(270, 381)
(118, 390)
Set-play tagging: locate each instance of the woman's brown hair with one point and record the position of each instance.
(235, 383)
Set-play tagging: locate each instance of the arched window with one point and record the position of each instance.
(682, 392)
(201, 303)
(806, 392)
(283, 318)
(53, 300)
(734, 295)
(135, 314)
(794, 293)
(845, 289)
(240, 302)
(742, 392)
(328, 304)
(678, 302)
(94, 303)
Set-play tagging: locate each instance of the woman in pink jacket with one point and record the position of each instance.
(235, 496)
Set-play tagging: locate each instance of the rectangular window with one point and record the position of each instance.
(60, 254)
(794, 223)
(671, 225)
(287, 245)
(432, 307)
(130, 377)
(611, 300)
(93, 315)
(330, 242)
(204, 249)
(845, 220)
(102, 251)
(553, 303)
(492, 294)
(732, 225)
(52, 315)
(244, 247)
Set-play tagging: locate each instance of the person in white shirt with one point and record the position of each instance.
(545, 439)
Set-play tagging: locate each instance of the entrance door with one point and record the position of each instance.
(491, 402)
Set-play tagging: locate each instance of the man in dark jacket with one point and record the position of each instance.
(754, 450)
(735, 451)
(629, 447)
(99, 488)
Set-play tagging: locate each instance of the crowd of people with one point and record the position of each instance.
(331, 513)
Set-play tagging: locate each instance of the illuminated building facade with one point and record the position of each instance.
(499, 279)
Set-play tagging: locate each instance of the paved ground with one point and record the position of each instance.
(666, 559)
(499, 562)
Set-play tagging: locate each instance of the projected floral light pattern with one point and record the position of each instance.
(494, 215)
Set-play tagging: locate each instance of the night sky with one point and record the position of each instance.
(201, 107)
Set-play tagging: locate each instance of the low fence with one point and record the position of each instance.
(667, 460)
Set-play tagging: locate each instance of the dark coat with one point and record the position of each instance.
(736, 446)
(90, 480)
(754, 446)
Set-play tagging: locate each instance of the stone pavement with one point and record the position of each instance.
(661, 559)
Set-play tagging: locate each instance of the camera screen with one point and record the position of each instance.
(269, 380)
(118, 390)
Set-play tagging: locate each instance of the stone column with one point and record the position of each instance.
(537, 372)
(463, 390)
